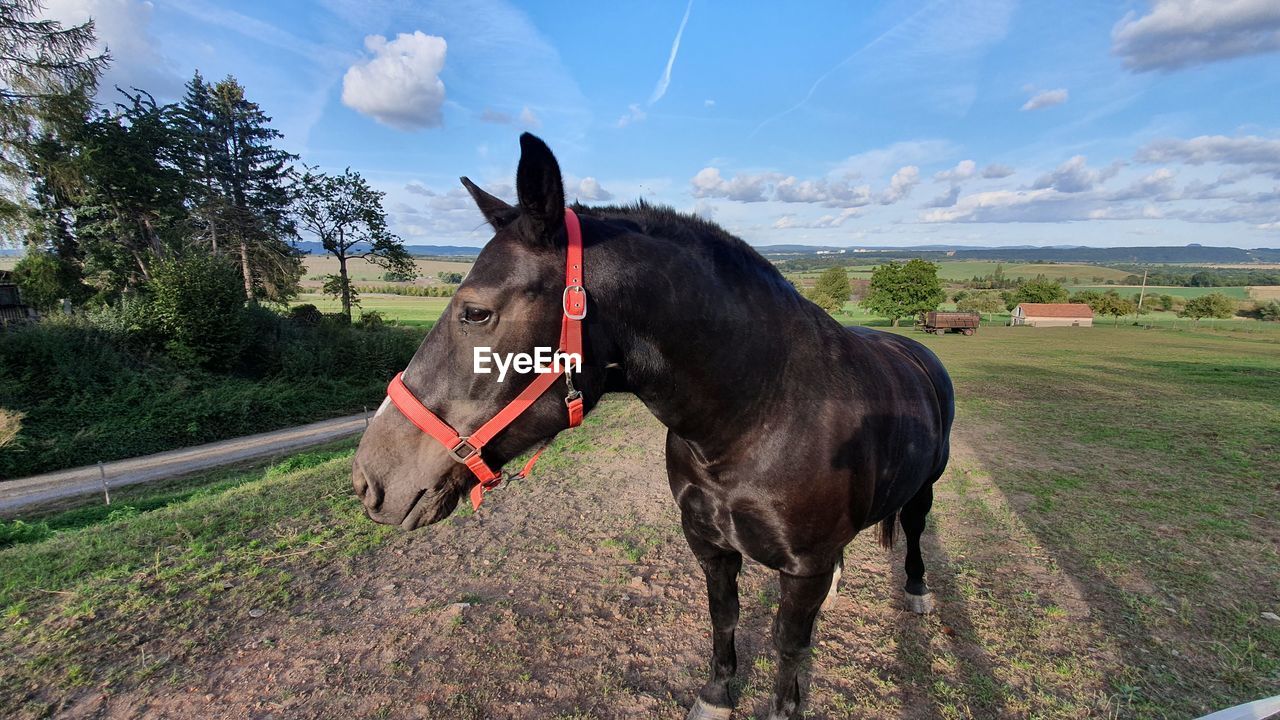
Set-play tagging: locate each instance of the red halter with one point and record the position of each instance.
(466, 448)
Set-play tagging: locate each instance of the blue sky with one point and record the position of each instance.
(969, 122)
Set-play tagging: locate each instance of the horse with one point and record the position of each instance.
(787, 433)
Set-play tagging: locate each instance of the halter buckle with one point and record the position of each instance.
(578, 302)
(470, 452)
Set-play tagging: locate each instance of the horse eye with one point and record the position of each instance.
(476, 316)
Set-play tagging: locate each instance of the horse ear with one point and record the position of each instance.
(539, 187)
(495, 209)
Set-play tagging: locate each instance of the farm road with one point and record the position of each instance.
(25, 492)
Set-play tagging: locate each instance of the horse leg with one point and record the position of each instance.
(912, 517)
(721, 569)
(835, 584)
(792, 632)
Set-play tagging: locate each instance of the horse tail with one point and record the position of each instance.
(887, 531)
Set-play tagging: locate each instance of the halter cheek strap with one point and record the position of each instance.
(466, 449)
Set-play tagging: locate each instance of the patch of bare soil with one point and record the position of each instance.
(573, 595)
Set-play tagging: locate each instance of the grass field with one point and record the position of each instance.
(404, 309)
(318, 266)
(1103, 544)
(1235, 293)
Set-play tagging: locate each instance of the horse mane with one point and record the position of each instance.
(699, 233)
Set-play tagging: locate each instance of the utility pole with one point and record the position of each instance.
(1141, 295)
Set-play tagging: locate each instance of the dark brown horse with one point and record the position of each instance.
(788, 434)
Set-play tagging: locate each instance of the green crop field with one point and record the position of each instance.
(1103, 544)
(1235, 293)
(404, 309)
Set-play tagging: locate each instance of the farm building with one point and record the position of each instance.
(1053, 315)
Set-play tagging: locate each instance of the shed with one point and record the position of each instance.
(1053, 315)
(11, 308)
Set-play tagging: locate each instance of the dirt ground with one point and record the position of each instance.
(573, 595)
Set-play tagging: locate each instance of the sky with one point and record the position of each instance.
(893, 123)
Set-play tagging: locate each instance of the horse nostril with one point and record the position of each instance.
(369, 492)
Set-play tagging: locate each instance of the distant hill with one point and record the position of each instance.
(1023, 253)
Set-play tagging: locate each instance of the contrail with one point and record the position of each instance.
(665, 80)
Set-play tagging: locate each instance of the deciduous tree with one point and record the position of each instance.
(899, 290)
(1213, 305)
(1040, 290)
(345, 214)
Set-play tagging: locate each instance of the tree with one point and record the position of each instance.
(984, 303)
(823, 300)
(48, 74)
(834, 283)
(345, 214)
(1164, 302)
(130, 212)
(1213, 305)
(1040, 290)
(200, 307)
(1112, 304)
(240, 186)
(449, 278)
(38, 277)
(1269, 311)
(899, 290)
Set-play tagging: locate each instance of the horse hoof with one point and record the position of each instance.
(920, 604)
(704, 711)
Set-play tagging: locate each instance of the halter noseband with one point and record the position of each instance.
(466, 449)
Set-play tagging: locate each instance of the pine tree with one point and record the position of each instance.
(131, 210)
(48, 75)
(240, 186)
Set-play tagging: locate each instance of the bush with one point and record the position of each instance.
(371, 319)
(37, 275)
(307, 314)
(1269, 311)
(199, 302)
(132, 322)
(88, 397)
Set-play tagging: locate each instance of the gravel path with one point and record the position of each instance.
(25, 492)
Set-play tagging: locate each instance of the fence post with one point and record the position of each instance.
(102, 474)
(366, 417)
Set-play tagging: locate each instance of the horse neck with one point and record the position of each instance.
(704, 335)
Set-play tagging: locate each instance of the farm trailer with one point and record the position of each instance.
(940, 323)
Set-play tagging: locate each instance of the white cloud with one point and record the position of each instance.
(590, 189)
(497, 117)
(529, 119)
(901, 184)
(1046, 99)
(417, 188)
(790, 221)
(634, 114)
(400, 85)
(1074, 176)
(882, 161)
(124, 28)
(947, 199)
(1158, 185)
(995, 171)
(705, 210)
(1183, 33)
(832, 193)
(709, 103)
(746, 187)
(961, 172)
(1261, 155)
